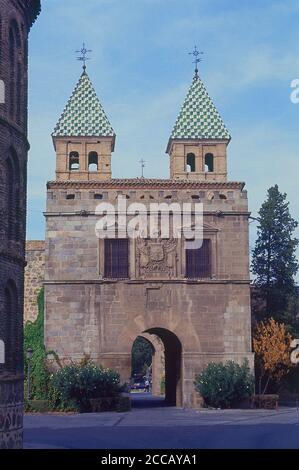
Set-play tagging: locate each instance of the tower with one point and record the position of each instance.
(16, 19)
(197, 145)
(83, 138)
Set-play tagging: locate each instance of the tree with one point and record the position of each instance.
(272, 347)
(142, 352)
(274, 260)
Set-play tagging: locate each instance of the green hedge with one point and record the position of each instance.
(225, 385)
(77, 385)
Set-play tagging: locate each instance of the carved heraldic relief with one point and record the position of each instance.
(156, 258)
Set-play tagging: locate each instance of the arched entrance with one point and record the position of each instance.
(166, 362)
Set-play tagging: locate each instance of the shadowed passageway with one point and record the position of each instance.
(147, 400)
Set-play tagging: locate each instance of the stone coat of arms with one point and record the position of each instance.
(156, 258)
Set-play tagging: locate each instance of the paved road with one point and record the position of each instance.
(153, 426)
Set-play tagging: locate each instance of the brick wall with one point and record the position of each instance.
(16, 17)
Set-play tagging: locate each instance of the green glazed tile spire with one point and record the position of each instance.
(198, 118)
(83, 114)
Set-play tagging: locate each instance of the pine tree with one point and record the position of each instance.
(274, 260)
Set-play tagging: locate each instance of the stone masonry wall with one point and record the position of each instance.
(88, 314)
(34, 277)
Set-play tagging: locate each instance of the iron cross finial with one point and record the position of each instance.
(83, 57)
(197, 59)
(142, 162)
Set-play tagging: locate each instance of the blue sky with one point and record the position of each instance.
(141, 70)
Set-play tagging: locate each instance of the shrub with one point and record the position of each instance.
(75, 385)
(225, 385)
(141, 356)
(34, 338)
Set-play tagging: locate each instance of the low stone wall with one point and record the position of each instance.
(34, 277)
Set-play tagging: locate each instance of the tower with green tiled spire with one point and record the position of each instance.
(198, 142)
(83, 137)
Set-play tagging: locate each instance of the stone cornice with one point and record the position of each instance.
(148, 281)
(85, 213)
(144, 183)
(32, 8)
(35, 8)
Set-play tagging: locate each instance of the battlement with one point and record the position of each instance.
(85, 196)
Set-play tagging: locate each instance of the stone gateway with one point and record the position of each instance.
(100, 294)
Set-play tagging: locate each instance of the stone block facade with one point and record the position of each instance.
(198, 320)
(34, 277)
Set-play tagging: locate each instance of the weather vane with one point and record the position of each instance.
(142, 162)
(83, 57)
(197, 59)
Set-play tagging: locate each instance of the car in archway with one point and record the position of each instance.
(138, 382)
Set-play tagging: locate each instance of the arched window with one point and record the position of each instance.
(19, 94)
(14, 215)
(12, 328)
(209, 162)
(74, 164)
(16, 31)
(3, 198)
(16, 81)
(93, 161)
(190, 162)
(12, 73)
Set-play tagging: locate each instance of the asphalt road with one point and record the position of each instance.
(150, 425)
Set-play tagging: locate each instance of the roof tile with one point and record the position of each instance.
(198, 118)
(145, 183)
(83, 114)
